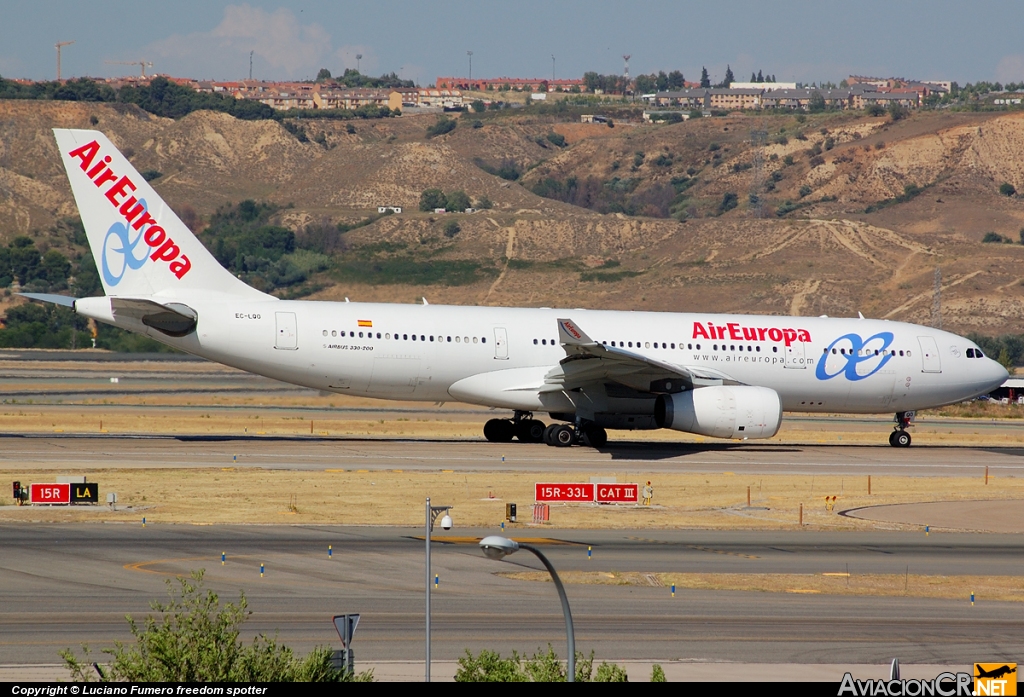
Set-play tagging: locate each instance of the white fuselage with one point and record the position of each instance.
(438, 353)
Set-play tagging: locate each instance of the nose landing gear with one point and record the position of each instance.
(899, 438)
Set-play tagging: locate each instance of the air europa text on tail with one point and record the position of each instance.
(134, 211)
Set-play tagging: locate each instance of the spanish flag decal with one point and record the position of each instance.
(365, 323)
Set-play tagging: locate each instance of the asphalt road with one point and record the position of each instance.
(62, 585)
(28, 452)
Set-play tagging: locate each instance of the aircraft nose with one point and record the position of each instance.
(995, 374)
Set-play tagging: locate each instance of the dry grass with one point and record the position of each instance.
(829, 583)
(394, 497)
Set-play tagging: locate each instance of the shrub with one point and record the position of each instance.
(713, 147)
(729, 201)
(874, 110)
(816, 161)
(657, 673)
(805, 190)
(457, 202)
(484, 203)
(1007, 189)
(556, 139)
(489, 666)
(787, 160)
(197, 640)
(151, 174)
(451, 229)
(994, 237)
(443, 125)
(478, 124)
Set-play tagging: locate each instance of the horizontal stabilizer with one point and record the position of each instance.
(63, 300)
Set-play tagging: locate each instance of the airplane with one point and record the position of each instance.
(717, 375)
(996, 672)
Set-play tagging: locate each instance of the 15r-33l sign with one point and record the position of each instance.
(563, 493)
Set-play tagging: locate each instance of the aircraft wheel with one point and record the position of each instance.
(902, 439)
(498, 430)
(564, 436)
(595, 437)
(892, 439)
(530, 431)
(549, 434)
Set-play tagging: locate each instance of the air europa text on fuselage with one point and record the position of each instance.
(134, 211)
(734, 331)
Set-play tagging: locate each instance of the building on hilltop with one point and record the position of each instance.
(510, 83)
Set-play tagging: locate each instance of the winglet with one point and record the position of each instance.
(569, 334)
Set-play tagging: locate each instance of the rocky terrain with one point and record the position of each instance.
(930, 181)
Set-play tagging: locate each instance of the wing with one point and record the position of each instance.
(588, 361)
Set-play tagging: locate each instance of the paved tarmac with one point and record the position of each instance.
(62, 585)
(44, 451)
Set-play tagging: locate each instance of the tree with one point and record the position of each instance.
(479, 106)
(816, 103)
(442, 126)
(1007, 189)
(729, 77)
(451, 229)
(897, 111)
(198, 641)
(323, 75)
(760, 77)
(729, 201)
(432, 199)
(457, 202)
(705, 80)
(676, 81)
(484, 203)
(662, 81)
(753, 77)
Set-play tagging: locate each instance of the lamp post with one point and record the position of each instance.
(470, 54)
(446, 524)
(497, 547)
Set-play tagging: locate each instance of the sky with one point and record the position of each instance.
(796, 40)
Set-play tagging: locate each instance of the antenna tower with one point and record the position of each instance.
(58, 46)
(250, 64)
(937, 300)
(625, 70)
(758, 138)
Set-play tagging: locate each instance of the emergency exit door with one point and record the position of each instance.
(287, 333)
(500, 344)
(930, 362)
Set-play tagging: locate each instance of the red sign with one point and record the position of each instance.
(617, 493)
(49, 493)
(564, 492)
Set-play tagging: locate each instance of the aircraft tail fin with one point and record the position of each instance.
(140, 246)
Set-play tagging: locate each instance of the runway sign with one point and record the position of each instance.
(49, 493)
(618, 493)
(85, 493)
(564, 493)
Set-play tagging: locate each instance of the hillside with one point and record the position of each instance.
(820, 253)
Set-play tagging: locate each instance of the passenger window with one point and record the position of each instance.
(673, 345)
(405, 337)
(714, 347)
(414, 337)
(689, 347)
(544, 341)
(449, 340)
(360, 335)
(759, 349)
(483, 340)
(901, 353)
(378, 335)
(775, 349)
(698, 347)
(474, 339)
(534, 342)
(631, 344)
(465, 339)
(431, 337)
(647, 345)
(458, 339)
(325, 332)
(387, 336)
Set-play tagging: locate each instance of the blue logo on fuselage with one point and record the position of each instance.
(128, 260)
(859, 358)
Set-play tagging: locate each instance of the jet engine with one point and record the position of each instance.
(723, 411)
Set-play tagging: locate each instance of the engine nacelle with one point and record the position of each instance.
(722, 412)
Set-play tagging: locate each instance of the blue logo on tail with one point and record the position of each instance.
(123, 257)
(857, 358)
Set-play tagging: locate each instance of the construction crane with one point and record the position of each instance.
(143, 64)
(58, 46)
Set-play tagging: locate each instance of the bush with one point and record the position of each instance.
(443, 125)
(198, 641)
(556, 139)
(451, 229)
(805, 190)
(1007, 189)
(478, 124)
(787, 160)
(657, 673)
(457, 202)
(994, 237)
(729, 201)
(484, 203)
(489, 666)
(874, 110)
(151, 174)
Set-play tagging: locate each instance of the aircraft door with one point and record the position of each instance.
(500, 344)
(795, 356)
(930, 362)
(287, 338)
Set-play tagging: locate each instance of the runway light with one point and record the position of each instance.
(590, 551)
(437, 580)
(330, 551)
(673, 590)
(261, 569)
(223, 558)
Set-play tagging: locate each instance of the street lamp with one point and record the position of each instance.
(446, 524)
(497, 548)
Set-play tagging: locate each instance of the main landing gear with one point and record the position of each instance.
(522, 426)
(527, 429)
(899, 438)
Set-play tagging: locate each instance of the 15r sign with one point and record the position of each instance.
(617, 493)
(49, 493)
(563, 493)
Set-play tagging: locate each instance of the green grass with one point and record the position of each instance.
(607, 276)
(403, 270)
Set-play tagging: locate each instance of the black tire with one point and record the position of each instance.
(564, 436)
(892, 439)
(498, 430)
(549, 434)
(530, 431)
(902, 439)
(595, 437)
